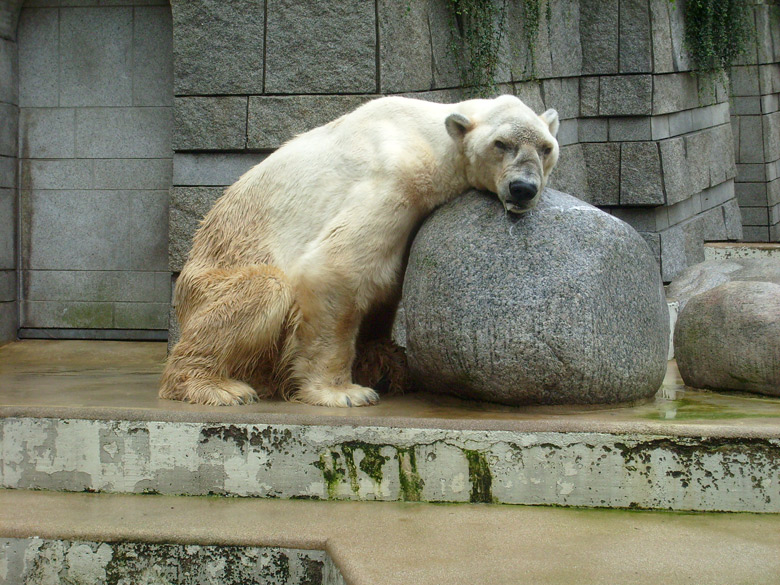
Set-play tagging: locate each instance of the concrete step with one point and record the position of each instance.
(84, 416)
(50, 537)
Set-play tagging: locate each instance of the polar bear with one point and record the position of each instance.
(310, 244)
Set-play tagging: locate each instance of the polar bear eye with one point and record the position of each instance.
(501, 145)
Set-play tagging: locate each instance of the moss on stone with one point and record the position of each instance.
(480, 477)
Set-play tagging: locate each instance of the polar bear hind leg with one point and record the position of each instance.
(237, 341)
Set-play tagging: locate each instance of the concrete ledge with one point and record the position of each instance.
(425, 544)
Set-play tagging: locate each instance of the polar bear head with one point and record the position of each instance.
(508, 149)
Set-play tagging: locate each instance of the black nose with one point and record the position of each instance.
(522, 191)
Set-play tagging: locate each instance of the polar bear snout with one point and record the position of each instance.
(521, 192)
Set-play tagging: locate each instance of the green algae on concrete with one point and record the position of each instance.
(411, 482)
(331, 472)
(480, 477)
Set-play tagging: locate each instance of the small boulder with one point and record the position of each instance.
(728, 338)
(562, 305)
(707, 275)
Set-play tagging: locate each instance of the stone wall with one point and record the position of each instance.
(756, 125)
(9, 114)
(95, 124)
(642, 137)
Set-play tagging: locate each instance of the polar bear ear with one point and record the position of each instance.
(550, 117)
(457, 125)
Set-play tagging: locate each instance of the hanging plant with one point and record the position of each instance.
(717, 32)
(480, 26)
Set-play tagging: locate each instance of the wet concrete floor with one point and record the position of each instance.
(113, 379)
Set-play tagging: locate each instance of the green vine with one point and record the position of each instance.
(480, 24)
(480, 28)
(717, 32)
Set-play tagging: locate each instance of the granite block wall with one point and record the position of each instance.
(9, 114)
(755, 122)
(641, 136)
(95, 125)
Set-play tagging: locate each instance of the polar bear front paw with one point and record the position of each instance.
(342, 396)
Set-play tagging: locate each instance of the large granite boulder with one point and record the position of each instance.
(728, 338)
(707, 275)
(561, 305)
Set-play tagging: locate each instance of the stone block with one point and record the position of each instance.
(702, 118)
(602, 167)
(663, 61)
(589, 96)
(97, 285)
(39, 57)
(273, 120)
(405, 51)
(9, 321)
(626, 95)
(684, 210)
(47, 132)
(212, 169)
(732, 220)
(9, 15)
(717, 195)
(773, 170)
(599, 34)
(774, 214)
(698, 148)
(752, 233)
(69, 173)
(640, 174)
(770, 103)
(95, 51)
(751, 194)
(659, 127)
(70, 314)
(635, 37)
(771, 130)
(593, 129)
(188, 206)
(676, 175)
(639, 218)
(530, 92)
(124, 132)
(9, 113)
(680, 55)
(141, 315)
(153, 56)
(773, 192)
(673, 260)
(747, 105)
(769, 78)
(570, 174)
(751, 143)
(755, 216)
(7, 285)
(136, 173)
(218, 46)
(722, 162)
(713, 225)
(444, 64)
(8, 172)
(744, 81)
(568, 133)
(563, 94)
(321, 47)
(91, 230)
(7, 229)
(674, 92)
(751, 173)
(565, 44)
(630, 129)
(680, 123)
(767, 23)
(9, 73)
(210, 123)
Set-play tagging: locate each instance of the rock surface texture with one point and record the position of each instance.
(705, 276)
(561, 305)
(728, 338)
